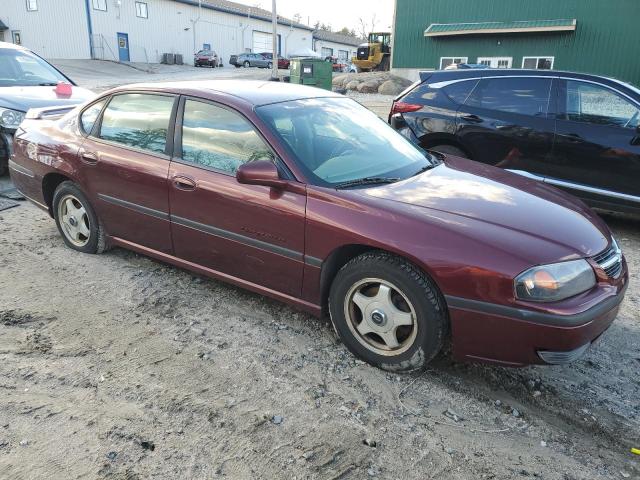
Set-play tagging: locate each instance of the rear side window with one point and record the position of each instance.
(525, 96)
(217, 138)
(90, 115)
(138, 120)
(459, 91)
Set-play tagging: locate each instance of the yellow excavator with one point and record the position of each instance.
(375, 55)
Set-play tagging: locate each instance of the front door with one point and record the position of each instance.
(250, 232)
(123, 47)
(126, 167)
(505, 122)
(598, 142)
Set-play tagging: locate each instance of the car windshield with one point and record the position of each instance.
(19, 68)
(337, 141)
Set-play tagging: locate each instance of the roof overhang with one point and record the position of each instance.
(486, 28)
(3, 26)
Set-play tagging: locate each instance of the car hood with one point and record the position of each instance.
(24, 98)
(506, 209)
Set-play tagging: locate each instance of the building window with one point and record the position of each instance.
(327, 52)
(343, 55)
(32, 5)
(538, 63)
(446, 61)
(141, 10)
(17, 39)
(496, 62)
(100, 5)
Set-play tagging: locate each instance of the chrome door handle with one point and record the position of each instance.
(89, 158)
(184, 183)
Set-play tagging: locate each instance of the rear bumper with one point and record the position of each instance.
(513, 337)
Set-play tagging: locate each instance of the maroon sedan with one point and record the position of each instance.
(306, 196)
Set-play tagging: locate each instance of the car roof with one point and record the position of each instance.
(255, 92)
(12, 46)
(446, 75)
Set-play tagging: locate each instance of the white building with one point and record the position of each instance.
(142, 31)
(330, 44)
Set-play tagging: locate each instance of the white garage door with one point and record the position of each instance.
(262, 42)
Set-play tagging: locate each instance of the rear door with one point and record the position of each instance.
(125, 167)
(598, 143)
(505, 122)
(251, 232)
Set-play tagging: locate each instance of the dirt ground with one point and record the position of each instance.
(119, 367)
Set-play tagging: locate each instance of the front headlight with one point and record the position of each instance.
(10, 118)
(557, 281)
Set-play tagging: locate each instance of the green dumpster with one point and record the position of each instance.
(314, 72)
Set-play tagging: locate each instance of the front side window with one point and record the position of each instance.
(336, 140)
(217, 138)
(32, 5)
(141, 10)
(525, 96)
(20, 68)
(589, 103)
(90, 115)
(100, 5)
(138, 120)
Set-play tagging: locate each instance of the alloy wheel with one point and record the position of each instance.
(380, 316)
(74, 220)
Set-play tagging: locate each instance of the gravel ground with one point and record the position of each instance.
(119, 367)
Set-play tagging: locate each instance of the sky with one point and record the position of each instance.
(338, 13)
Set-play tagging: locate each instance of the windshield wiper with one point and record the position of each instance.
(367, 181)
(424, 169)
(47, 84)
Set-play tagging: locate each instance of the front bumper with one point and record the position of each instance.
(491, 333)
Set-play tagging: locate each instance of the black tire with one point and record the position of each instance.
(96, 241)
(430, 319)
(4, 166)
(246, 64)
(450, 150)
(237, 66)
(269, 65)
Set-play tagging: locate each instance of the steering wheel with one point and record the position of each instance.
(632, 119)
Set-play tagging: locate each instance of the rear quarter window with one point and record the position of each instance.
(460, 91)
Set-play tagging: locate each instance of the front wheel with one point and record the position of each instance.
(76, 220)
(449, 150)
(269, 65)
(388, 312)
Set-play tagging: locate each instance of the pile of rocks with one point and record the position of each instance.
(371, 82)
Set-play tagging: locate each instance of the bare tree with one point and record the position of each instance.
(365, 26)
(297, 18)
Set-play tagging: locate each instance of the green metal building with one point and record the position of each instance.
(593, 36)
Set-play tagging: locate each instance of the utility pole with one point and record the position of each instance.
(274, 56)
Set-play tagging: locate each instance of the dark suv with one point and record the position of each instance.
(576, 131)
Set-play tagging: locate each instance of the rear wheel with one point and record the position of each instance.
(450, 150)
(246, 64)
(388, 312)
(76, 220)
(269, 65)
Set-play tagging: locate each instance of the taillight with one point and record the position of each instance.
(402, 107)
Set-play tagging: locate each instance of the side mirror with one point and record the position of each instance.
(260, 172)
